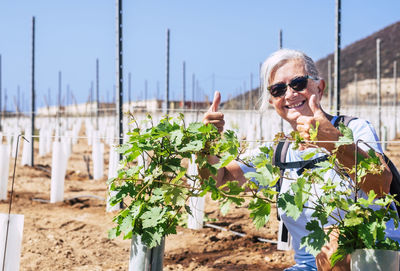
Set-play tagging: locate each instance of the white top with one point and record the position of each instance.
(363, 130)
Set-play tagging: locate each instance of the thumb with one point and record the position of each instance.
(314, 105)
(216, 102)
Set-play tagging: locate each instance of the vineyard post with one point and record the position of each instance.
(280, 47)
(330, 85)
(395, 95)
(251, 107)
(378, 84)
(243, 102)
(129, 91)
(356, 93)
(97, 94)
(33, 93)
(167, 77)
(337, 57)
(145, 94)
(1, 108)
(183, 84)
(59, 99)
(259, 95)
(119, 85)
(193, 87)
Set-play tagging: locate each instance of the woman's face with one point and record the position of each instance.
(294, 103)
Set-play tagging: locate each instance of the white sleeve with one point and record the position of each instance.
(365, 132)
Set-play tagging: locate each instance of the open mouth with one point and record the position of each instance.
(294, 106)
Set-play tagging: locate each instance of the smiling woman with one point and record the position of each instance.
(292, 85)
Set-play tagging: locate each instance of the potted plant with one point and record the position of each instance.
(359, 223)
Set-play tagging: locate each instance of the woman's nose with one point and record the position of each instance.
(290, 92)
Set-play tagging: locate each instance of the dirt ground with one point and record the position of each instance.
(72, 235)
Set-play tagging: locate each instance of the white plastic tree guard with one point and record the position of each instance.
(97, 157)
(112, 172)
(374, 259)
(14, 143)
(143, 258)
(284, 238)
(14, 240)
(58, 170)
(42, 142)
(196, 204)
(4, 169)
(27, 149)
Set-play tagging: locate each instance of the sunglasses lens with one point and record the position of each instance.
(278, 90)
(299, 83)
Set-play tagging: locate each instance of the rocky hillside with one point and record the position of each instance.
(360, 56)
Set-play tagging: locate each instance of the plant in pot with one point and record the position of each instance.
(339, 209)
(154, 185)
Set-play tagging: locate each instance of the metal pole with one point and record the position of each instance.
(213, 86)
(378, 83)
(119, 85)
(280, 47)
(59, 91)
(251, 107)
(167, 77)
(5, 100)
(183, 84)
(129, 91)
(356, 92)
(337, 58)
(193, 88)
(330, 85)
(91, 101)
(244, 96)
(1, 108)
(395, 95)
(145, 94)
(33, 92)
(97, 94)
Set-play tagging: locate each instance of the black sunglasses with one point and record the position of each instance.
(297, 83)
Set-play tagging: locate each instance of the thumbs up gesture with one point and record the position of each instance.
(213, 116)
(326, 131)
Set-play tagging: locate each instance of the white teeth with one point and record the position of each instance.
(294, 105)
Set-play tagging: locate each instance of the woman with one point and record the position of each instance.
(292, 85)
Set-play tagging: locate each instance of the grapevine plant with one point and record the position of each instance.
(155, 192)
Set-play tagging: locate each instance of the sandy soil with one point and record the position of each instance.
(72, 235)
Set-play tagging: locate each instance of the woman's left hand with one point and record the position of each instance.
(326, 131)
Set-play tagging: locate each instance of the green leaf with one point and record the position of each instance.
(347, 136)
(113, 233)
(260, 211)
(127, 224)
(314, 131)
(316, 239)
(225, 207)
(287, 203)
(152, 217)
(224, 161)
(309, 155)
(192, 146)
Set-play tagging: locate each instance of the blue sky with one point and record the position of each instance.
(222, 42)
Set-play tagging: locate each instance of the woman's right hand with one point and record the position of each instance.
(213, 116)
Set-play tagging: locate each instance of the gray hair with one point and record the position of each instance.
(276, 60)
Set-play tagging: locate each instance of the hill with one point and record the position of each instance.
(360, 56)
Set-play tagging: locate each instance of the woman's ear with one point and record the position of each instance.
(321, 87)
(270, 100)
